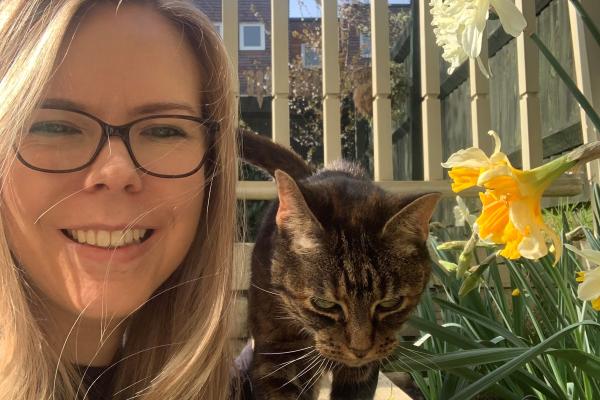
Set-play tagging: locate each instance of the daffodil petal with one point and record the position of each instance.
(511, 18)
(590, 288)
(468, 158)
(471, 40)
(591, 255)
(499, 170)
(558, 249)
(523, 216)
(497, 141)
(533, 246)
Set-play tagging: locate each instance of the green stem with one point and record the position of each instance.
(547, 173)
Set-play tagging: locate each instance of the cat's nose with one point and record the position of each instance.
(359, 353)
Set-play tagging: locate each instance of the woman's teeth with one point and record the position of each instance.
(107, 238)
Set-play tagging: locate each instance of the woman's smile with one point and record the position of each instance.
(109, 251)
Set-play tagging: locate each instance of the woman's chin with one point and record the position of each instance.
(106, 302)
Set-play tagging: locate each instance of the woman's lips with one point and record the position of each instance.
(93, 257)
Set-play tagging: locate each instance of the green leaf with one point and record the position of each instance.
(480, 319)
(587, 20)
(513, 365)
(444, 334)
(457, 359)
(585, 361)
(472, 280)
(564, 76)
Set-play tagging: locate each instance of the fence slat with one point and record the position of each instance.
(331, 82)
(280, 85)
(583, 79)
(529, 102)
(229, 11)
(481, 118)
(570, 185)
(430, 98)
(382, 107)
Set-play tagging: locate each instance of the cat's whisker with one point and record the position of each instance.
(304, 371)
(314, 379)
(285, 364)
(428, 365)
(424, 356)
(265, 290)
(288, 352)
(406, 366)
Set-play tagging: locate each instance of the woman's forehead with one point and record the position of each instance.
(117, 62)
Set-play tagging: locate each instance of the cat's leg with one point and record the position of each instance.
(355, 383)
(286, 376)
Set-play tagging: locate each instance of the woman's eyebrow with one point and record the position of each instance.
(144, 109)
(153, 108)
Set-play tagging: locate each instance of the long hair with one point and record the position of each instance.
(186, 355)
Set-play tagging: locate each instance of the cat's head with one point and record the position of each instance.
(350, 263)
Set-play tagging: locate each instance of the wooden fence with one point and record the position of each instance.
(430, 90)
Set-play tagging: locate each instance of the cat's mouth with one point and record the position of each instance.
(349, 360)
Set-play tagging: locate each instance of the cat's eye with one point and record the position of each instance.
(391, 304)
(322, 304)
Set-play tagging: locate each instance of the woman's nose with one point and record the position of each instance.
(113, 169)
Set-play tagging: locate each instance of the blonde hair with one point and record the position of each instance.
(187, 356)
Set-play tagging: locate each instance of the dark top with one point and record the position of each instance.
(100, 378)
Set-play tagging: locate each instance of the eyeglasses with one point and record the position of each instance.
(165, 146)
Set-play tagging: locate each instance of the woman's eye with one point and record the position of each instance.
(323, 304)
(390, 304)
(164, 132)
(53, 128)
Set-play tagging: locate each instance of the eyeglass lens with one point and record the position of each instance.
(61, 140)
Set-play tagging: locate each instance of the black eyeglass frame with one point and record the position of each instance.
(122, 131)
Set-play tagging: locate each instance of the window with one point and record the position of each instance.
(310, 56)
(365, 45)
(219, 28)
(252, 36)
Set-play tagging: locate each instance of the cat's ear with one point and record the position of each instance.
(293, 213)
(414, 218)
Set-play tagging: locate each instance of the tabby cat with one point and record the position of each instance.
(337, 268)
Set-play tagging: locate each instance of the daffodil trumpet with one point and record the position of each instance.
(511, 203)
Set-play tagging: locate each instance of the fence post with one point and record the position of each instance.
(382, 107)
(529, 102)
(280, 87)
(331, 81)
(229, 11)
(430, 98)
(584, 83)
(481, 119)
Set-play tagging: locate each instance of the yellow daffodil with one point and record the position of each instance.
(516, 292)
(511, 213)
(589, 288)
(459, 26)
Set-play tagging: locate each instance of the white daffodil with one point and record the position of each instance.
(462, 213)
(589, 288)
(459, 27)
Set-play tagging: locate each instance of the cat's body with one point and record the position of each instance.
(337, 267)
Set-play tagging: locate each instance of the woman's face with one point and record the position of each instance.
(120, 66)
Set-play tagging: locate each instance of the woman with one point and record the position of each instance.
(118, 178)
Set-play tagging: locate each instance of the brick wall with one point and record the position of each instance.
(254, 62)
(258, 63)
